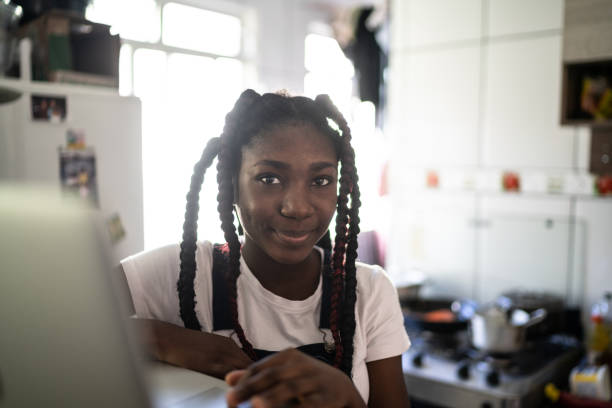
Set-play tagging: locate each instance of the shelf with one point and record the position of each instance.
(578, 109)
(54, 87)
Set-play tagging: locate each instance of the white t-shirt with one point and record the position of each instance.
(271, 322)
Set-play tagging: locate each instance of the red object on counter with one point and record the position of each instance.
(511, 181)
(567, 400)
(603, 185)
(432, 179)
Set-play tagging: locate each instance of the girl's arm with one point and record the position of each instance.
(199, 351)
(387, 387)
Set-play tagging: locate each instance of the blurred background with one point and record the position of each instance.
(482, 127)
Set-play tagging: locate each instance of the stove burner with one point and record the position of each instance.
(464, 376)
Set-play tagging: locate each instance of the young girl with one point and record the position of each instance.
(283, 316)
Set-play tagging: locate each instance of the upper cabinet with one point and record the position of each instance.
(587, 63)
(587, 32)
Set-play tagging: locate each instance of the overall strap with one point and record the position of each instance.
(222, 319)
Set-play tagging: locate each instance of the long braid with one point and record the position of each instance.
(188, 245)
(225, 206)
(347, 159)
(228, 161)
(348, 321)
(337, 296)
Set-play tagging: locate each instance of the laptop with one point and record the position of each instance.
(63, 338)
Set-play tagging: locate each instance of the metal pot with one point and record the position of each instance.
(529, 301)
(496, 330)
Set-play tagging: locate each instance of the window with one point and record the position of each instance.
(121, 15)
(201, 30)
(185, 64)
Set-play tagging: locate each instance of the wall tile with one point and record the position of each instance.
(523, 16)
(436, 107)
(428, 22)
(521, 105)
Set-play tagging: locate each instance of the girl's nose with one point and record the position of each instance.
(296, 204)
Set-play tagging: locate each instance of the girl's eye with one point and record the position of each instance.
(321, 181)
(269, 179)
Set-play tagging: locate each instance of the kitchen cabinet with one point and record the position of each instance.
(510, 17)
(587, 53)
(520, 124)
(523, 253)
(528, 243)
(480, 245)
(587, 30)
(433, 233)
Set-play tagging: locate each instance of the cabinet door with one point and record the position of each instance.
(433, 234)
(523, 253)
(521, 105)
(526, 242)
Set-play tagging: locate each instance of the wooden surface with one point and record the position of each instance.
(587, 32)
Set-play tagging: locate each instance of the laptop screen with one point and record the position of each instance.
(62, 340)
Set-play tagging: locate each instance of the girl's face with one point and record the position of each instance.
(287, 191)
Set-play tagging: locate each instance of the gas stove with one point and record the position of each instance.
(446, 372)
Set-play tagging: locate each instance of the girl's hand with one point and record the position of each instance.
(292, 378)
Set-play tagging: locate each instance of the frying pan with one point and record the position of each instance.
(417, 316)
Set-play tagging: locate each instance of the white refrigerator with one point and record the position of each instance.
(107, 124)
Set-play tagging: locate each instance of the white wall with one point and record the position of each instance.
(474, 90)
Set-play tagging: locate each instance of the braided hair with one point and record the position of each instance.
(252, 115)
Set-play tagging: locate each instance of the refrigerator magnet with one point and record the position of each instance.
(47, 108)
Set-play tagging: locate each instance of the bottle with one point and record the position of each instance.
(591, 382)
(601, 315)
(599, 341)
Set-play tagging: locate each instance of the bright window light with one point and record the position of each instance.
(134, 19)
(125, 70)
(149, 73)
(323, 54)
(201, 30)
(185, 99)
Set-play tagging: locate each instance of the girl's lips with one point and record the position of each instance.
(293, 237)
